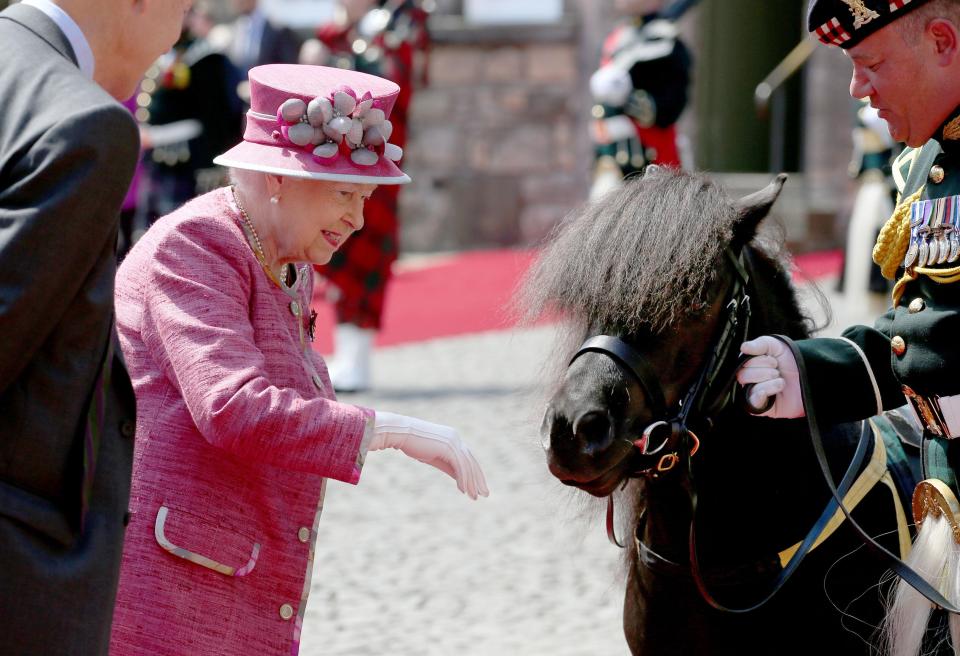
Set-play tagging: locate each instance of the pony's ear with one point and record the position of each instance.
(753, 209)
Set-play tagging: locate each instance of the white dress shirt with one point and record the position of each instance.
(70, 29)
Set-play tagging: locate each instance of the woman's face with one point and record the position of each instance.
(315, 217)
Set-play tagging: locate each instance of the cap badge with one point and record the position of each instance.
(861, 13)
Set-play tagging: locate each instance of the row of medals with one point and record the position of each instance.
(933, 244)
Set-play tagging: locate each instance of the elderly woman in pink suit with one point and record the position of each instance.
(238, 427)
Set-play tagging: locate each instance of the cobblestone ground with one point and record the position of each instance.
(407, 566)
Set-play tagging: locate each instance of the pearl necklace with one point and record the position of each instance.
(257, 246)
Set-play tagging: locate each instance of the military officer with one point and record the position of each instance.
(906, 61)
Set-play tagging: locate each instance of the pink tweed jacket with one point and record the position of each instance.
(237, 428)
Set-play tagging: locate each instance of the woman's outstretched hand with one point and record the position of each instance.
(434, 444)
(772, 372)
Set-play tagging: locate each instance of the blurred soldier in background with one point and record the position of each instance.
(873, 152)
(385, 38)
(253, 40)
(639, 92)
(189, 111)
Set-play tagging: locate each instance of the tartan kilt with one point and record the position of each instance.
(360, 270)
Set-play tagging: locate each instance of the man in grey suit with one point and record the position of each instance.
(67, 154)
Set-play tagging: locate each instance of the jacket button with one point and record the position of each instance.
(303, 534)
(128, 428)
(295, 308)
(286, 611)
(936, 174)
(897, 345)
(317, 381)
(916, 305)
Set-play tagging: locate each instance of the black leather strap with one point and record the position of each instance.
(900, 568)
(848, 478)
(634, 362)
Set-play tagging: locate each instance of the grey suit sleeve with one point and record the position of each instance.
(59, 204)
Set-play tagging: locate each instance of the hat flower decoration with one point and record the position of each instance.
(339, 125)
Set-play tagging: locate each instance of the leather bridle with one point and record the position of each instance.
(670, 435)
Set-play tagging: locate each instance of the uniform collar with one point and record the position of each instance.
(948, 134)
(70, 29)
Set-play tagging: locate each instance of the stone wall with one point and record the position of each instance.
(497, 148)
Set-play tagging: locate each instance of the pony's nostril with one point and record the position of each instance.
(592, 430)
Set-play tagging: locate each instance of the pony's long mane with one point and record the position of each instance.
(640, 258)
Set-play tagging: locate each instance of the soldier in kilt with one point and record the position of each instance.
(639, 92)
(385, 39)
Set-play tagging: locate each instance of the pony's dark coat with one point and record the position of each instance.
(647, 263)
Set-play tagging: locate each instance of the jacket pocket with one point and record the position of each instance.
(192, 538)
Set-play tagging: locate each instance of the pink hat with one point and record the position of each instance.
(319, 123)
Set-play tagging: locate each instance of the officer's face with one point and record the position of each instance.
(903, 81)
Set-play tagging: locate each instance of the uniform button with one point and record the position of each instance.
(916, 305)
(936, 174)
(295, 308)
(898, 345)
(317, 381)
(303, 534)
(286, 611)
(128, 428)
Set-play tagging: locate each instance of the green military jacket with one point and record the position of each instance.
(916, 343)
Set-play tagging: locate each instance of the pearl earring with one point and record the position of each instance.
(275, 199)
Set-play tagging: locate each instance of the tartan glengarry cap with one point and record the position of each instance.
(845, 23)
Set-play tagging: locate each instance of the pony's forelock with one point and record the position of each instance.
(640, 258)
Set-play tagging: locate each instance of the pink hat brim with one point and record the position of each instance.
(298, 163)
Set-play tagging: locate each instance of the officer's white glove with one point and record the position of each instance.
(773, 372)
(433, 444)
(611, 86)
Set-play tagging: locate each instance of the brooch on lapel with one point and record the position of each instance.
(312, 324)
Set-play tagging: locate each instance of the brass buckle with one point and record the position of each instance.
(668, 462)
(928, 410)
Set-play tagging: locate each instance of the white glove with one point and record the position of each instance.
(773, 372)
(611, 86)
(433, 444)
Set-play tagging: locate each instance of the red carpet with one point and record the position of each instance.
(469, 292)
